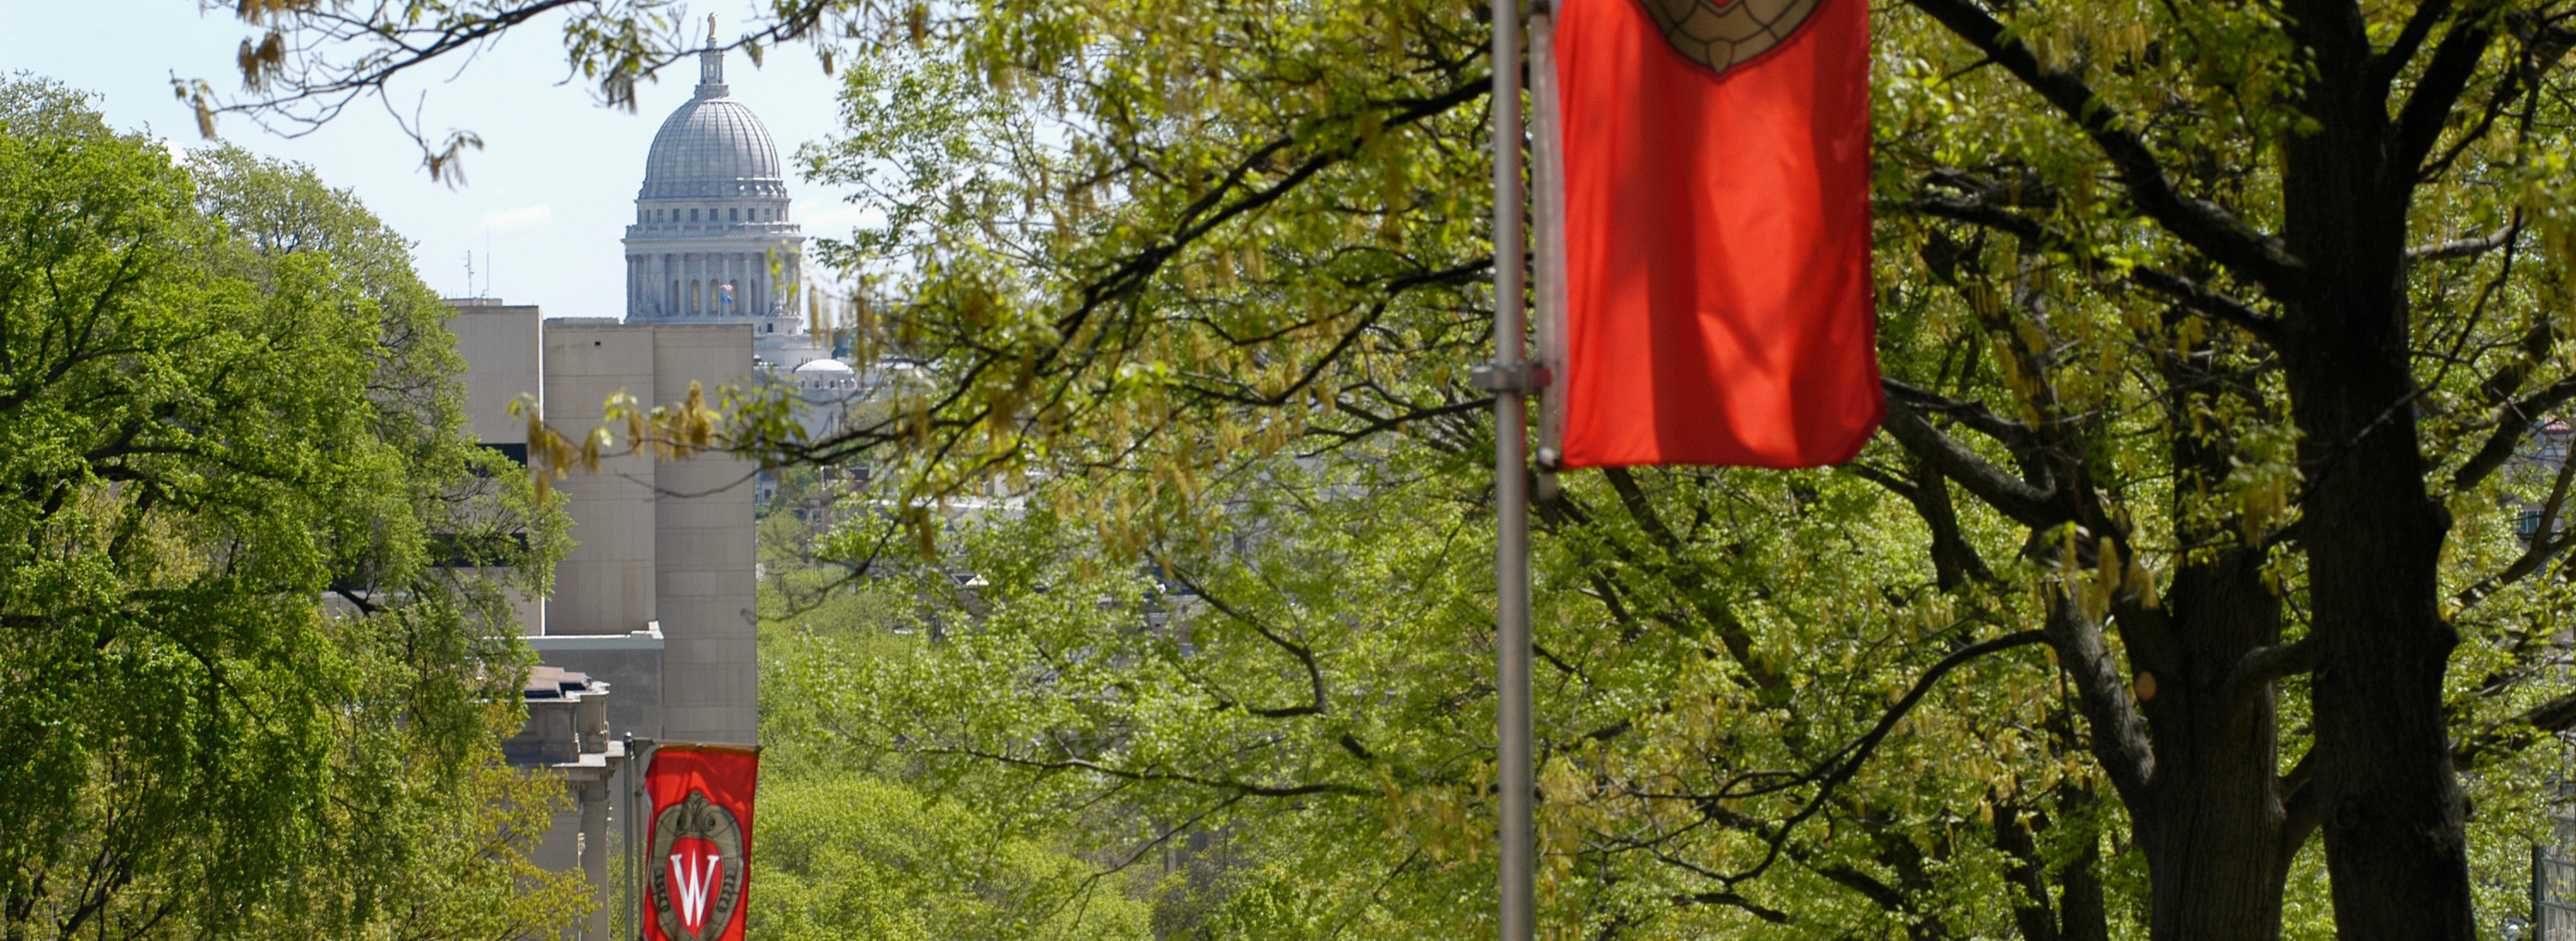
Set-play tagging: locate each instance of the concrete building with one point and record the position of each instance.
(568, 735)
(656, 597)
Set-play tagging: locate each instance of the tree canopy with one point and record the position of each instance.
(248, 684)
(2218, 338)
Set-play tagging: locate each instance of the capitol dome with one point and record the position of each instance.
(712, 146)
(714, 239)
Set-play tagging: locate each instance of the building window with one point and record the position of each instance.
(693, 215)
(733, 215)
(516, 453)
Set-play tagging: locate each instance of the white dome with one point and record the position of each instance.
(825, 366)
(712, 146)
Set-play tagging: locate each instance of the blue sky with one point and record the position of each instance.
(548, 196)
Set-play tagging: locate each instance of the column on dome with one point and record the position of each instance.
(666, 286)
(658, 275)
(696, 266)
(740, 277)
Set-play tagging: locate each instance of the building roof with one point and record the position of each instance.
(547, 682)
(713, 146)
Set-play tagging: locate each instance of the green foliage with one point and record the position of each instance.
(1147, 247)
(846, 855)
(241, 691)
(1194, 286)
(853, 846)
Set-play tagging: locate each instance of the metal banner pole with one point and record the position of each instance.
(1511, 381)
(639, 813)
(620, 923)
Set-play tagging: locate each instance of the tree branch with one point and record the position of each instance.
(2513, 421)
(2010, 496)
(1845, 762)
(1975, 211)
(1318, 704)
(2463, 247)
(1225, 784)
(2120, 739)
(2263, 665)
(2205, 226)
(2428, 108)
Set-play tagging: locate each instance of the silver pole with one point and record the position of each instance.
(624, 897)
(1510, 383)
(639, 815)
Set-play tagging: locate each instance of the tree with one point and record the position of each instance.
(243, 690)
(2228, 321)
(853, 845)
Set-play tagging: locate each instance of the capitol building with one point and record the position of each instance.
(651, 628)
(713, 239)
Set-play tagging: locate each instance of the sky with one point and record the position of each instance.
(546, 198)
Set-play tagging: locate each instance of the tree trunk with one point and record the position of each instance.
(2211, 830)
(2384, 787)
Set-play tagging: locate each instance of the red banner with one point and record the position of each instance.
(697, 838)
(1717, 226)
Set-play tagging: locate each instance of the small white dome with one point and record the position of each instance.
(826, 366)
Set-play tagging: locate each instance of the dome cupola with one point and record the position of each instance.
(712, 147)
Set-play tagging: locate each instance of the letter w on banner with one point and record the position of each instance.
(697, 875)
(1716, 272)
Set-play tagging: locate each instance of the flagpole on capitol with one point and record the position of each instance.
(1509, 378)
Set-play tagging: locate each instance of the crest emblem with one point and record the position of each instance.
(697, 868)
(1723, 34)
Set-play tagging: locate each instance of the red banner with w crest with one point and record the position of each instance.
(1717, 232)
(697, 839)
